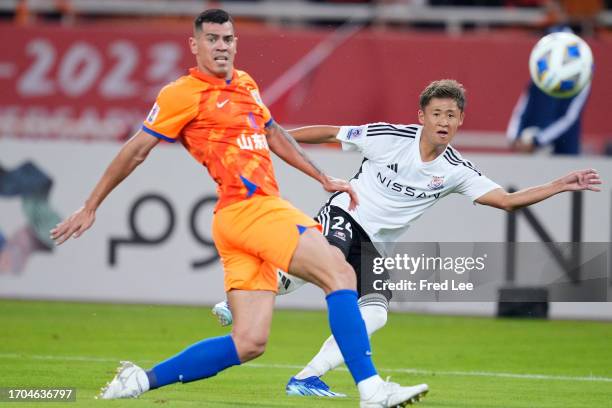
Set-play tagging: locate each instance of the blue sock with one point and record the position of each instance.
(200, 360)
(349, 330)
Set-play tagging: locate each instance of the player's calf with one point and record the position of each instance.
(374, 308)
(252, 313)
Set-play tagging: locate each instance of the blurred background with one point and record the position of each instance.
(88, 70)
(79, 76)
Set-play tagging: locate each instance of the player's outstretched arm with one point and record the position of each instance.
(316, 134)
(129, 157)
(575, 181)
(285, 146)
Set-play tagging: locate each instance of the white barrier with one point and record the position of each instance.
(163, 273)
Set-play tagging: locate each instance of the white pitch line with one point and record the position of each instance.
(59, 358)
(456, 373)
(297, 367)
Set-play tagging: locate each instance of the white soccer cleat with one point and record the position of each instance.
(390, 394)
(129, 382)
(223, 313)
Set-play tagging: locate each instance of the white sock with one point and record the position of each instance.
(328, 357)
(368, 387)
(374, 313)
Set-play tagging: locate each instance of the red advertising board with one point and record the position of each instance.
(98, 82)
(93, 83)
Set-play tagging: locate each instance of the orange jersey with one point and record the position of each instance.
(222, 125)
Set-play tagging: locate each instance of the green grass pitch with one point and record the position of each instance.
(467, 362)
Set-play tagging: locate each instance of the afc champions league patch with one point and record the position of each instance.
(153, 114)
(436, 183)
(354, 133)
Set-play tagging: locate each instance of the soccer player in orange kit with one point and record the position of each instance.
(218, 115)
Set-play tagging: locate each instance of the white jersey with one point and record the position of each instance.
(395, 186)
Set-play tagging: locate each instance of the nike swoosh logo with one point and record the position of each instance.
(222, 104)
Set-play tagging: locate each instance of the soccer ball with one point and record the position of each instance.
(561, 64)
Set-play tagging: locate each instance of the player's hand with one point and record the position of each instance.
(74, 226)
(331, 184)
(580, 180)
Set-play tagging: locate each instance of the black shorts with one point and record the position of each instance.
(343, 232)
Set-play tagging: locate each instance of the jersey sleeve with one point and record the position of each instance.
(353, 138)
(376, 140)
(174, 107)
(474, 184)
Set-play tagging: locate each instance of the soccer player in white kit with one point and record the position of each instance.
(405, 170)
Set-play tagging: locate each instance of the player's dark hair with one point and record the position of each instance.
(216, 16)
(444, 88)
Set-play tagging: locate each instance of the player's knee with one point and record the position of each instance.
(348, 274)
(343, 274)
(249, 345)
(254, 350)
(329, 269)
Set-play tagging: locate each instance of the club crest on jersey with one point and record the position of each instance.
(354, 133)
(436, 183)
(341, 235)
(153, 114)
